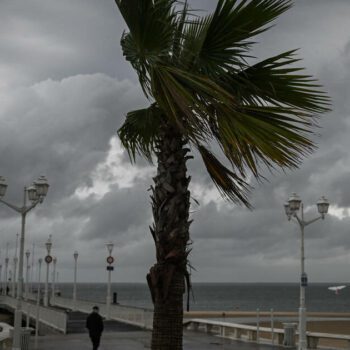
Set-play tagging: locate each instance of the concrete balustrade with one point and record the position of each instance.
(249, 333)
(57, 318)
(51, 317)
(313, 339)
(131, 315)
(5, 335)
(233, 330)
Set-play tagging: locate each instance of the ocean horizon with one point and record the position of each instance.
(224, 296)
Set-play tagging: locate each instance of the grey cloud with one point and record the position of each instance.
(119, 211)
(49, 39)
(62, 128)
(57, 116)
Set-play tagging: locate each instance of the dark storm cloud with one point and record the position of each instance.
(62, 128)
(119, 211)
(64, 90)
(57, 39)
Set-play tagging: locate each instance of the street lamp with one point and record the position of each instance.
(54, 260)
(2, 285)
(10, 277)
(15, 263)
(4, 291)
(14, 282)
(27, 285)
(48, 260)
(5, 277)
(110, 268)
(35, 194)
(32, 272)
(75, 255)
(38, 305)
(292, 207)
(27, 275)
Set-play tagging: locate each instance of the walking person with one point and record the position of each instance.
(94, 323)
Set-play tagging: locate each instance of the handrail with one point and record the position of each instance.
(5, 331)
(91, 302)
(136, 316)
(143, 317)
(52, 317)
(237, 329)
(232, 325)
(328, 335)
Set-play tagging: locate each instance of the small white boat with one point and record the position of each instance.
(336, 289)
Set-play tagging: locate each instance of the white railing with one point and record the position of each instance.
(127, 314)
(5, 335)
(313, 339)
(49, 316)
(235, 330)
(254, 333)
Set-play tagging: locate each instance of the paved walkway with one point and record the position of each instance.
(141, 340)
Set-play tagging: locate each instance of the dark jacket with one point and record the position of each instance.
(94, 323)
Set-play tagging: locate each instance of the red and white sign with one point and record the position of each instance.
(110, 260)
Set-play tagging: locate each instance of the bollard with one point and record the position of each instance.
(115, 298)
(25, 338)
(289, 335)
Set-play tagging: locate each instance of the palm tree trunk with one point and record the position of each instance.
(170, 204)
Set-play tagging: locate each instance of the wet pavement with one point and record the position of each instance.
(138, 340)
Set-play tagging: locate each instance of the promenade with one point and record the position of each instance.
(129, 327)
(141, 340)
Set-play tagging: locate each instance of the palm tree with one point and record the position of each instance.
(203, 90)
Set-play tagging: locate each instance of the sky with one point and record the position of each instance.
(65, 89)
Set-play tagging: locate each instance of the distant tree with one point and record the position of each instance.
(196, 72)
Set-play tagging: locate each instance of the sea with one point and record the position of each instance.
(225, 296)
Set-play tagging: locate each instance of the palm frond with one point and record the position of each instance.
(185, 97)
(220, 41)
(259, 134)
(196, 70)
(229, 184)
(139, 132)
(277, 135)
(276, 117)
(179, 32)
(151, 31)
(277, 81)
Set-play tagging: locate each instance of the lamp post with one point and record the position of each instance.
(5, 277)
(14, 284)
(4, 292)
(75, 255)
(10, 278)
(54, 260)
(32, 271)
(292, 208)
(2, 284)
(57, 282)
(26, 288)
(36, 194)
(15, 262)
(27, 275)
(110, 268)
(38, 305)
(48, 260)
